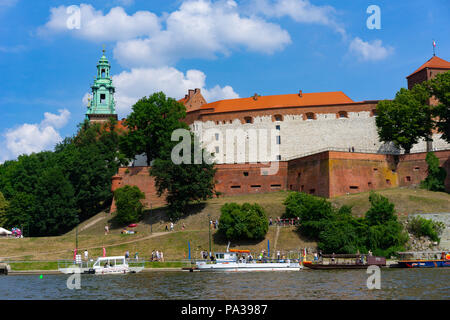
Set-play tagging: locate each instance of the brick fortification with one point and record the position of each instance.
(327, 144)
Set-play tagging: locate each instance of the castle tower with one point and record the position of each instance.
(102, 105)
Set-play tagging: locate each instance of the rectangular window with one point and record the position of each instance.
(246, 173)
(256, 186)
(275, 186)
(278, 139)
(217, 149)
(102, 98)
(278, 157)
(354, 187)
(277, 127)
(235, 187)
(217, 137)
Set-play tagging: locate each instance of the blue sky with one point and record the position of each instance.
(228, 48)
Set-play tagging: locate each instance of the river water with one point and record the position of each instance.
(168, 285)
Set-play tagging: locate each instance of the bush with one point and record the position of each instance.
(336, 230)
(129, 206)
(421, 227)
(435, 181)
(245, 222)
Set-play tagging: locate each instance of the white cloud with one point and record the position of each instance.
(370, 51)
(29, 138)
(198, 29)
(139, 82)
(301, 11)
(95, 26)
(54, 120)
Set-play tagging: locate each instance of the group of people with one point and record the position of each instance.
(284, 222)
(171, 227)
(127, 255)
(214, 224)
(157, 256)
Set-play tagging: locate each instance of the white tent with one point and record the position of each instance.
(4, 232)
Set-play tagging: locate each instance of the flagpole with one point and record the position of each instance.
(434, 46)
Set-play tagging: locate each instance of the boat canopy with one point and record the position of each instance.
(239, 251)
(343, 256)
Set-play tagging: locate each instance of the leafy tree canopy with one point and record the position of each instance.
(405, 119)
(435, 181)
(243, 222)
(185, 182)
(150, 126)
(129, 206)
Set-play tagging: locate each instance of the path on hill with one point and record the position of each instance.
(154, 235)
(276, 240)
(90, 224)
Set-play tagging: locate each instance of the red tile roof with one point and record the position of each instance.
(433, 63)
(279, 101)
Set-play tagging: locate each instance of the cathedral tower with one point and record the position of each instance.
(101, 106)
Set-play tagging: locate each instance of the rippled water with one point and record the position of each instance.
(305, 284)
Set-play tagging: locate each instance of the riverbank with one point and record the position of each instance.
(27, 268)
(151, 235)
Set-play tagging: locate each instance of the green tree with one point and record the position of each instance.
(3, 209)
(405, 119)
(185, 182)
(128, 203)
(150, 126)
(314, 212)
(56, 207)
(381, 210)
(439, 87)
(435, 181)
(243, 222)
(90, 159)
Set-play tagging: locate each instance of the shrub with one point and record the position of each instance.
(243, 222)
(129, 206)
(421, 227)
(435, 181)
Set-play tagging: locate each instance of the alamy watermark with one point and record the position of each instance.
(232, 146)
(74, 19)
(374, 280)
(374, 20)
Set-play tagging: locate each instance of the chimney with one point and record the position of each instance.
(190, 92)
(255, 96)
(197, 90)
(300, 94)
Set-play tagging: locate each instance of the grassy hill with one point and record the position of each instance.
(152, 235)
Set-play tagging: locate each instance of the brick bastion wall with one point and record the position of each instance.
(327, 174)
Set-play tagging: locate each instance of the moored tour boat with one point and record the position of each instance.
(435, 262)
(345, 261)
(104, 265)
(229, 262)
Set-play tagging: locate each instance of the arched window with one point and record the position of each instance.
(342, 114)
(248, 120)
(277, 117)
(310, 116)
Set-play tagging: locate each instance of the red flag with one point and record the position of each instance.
(104, 252)
(75, 254)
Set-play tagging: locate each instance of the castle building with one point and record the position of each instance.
(325, 144)
(102, 105)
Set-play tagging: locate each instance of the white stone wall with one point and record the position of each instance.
(298, 137)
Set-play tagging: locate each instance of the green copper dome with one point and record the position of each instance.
(102, 106)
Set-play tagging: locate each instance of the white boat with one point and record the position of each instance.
(229, 262)
(105, 265)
